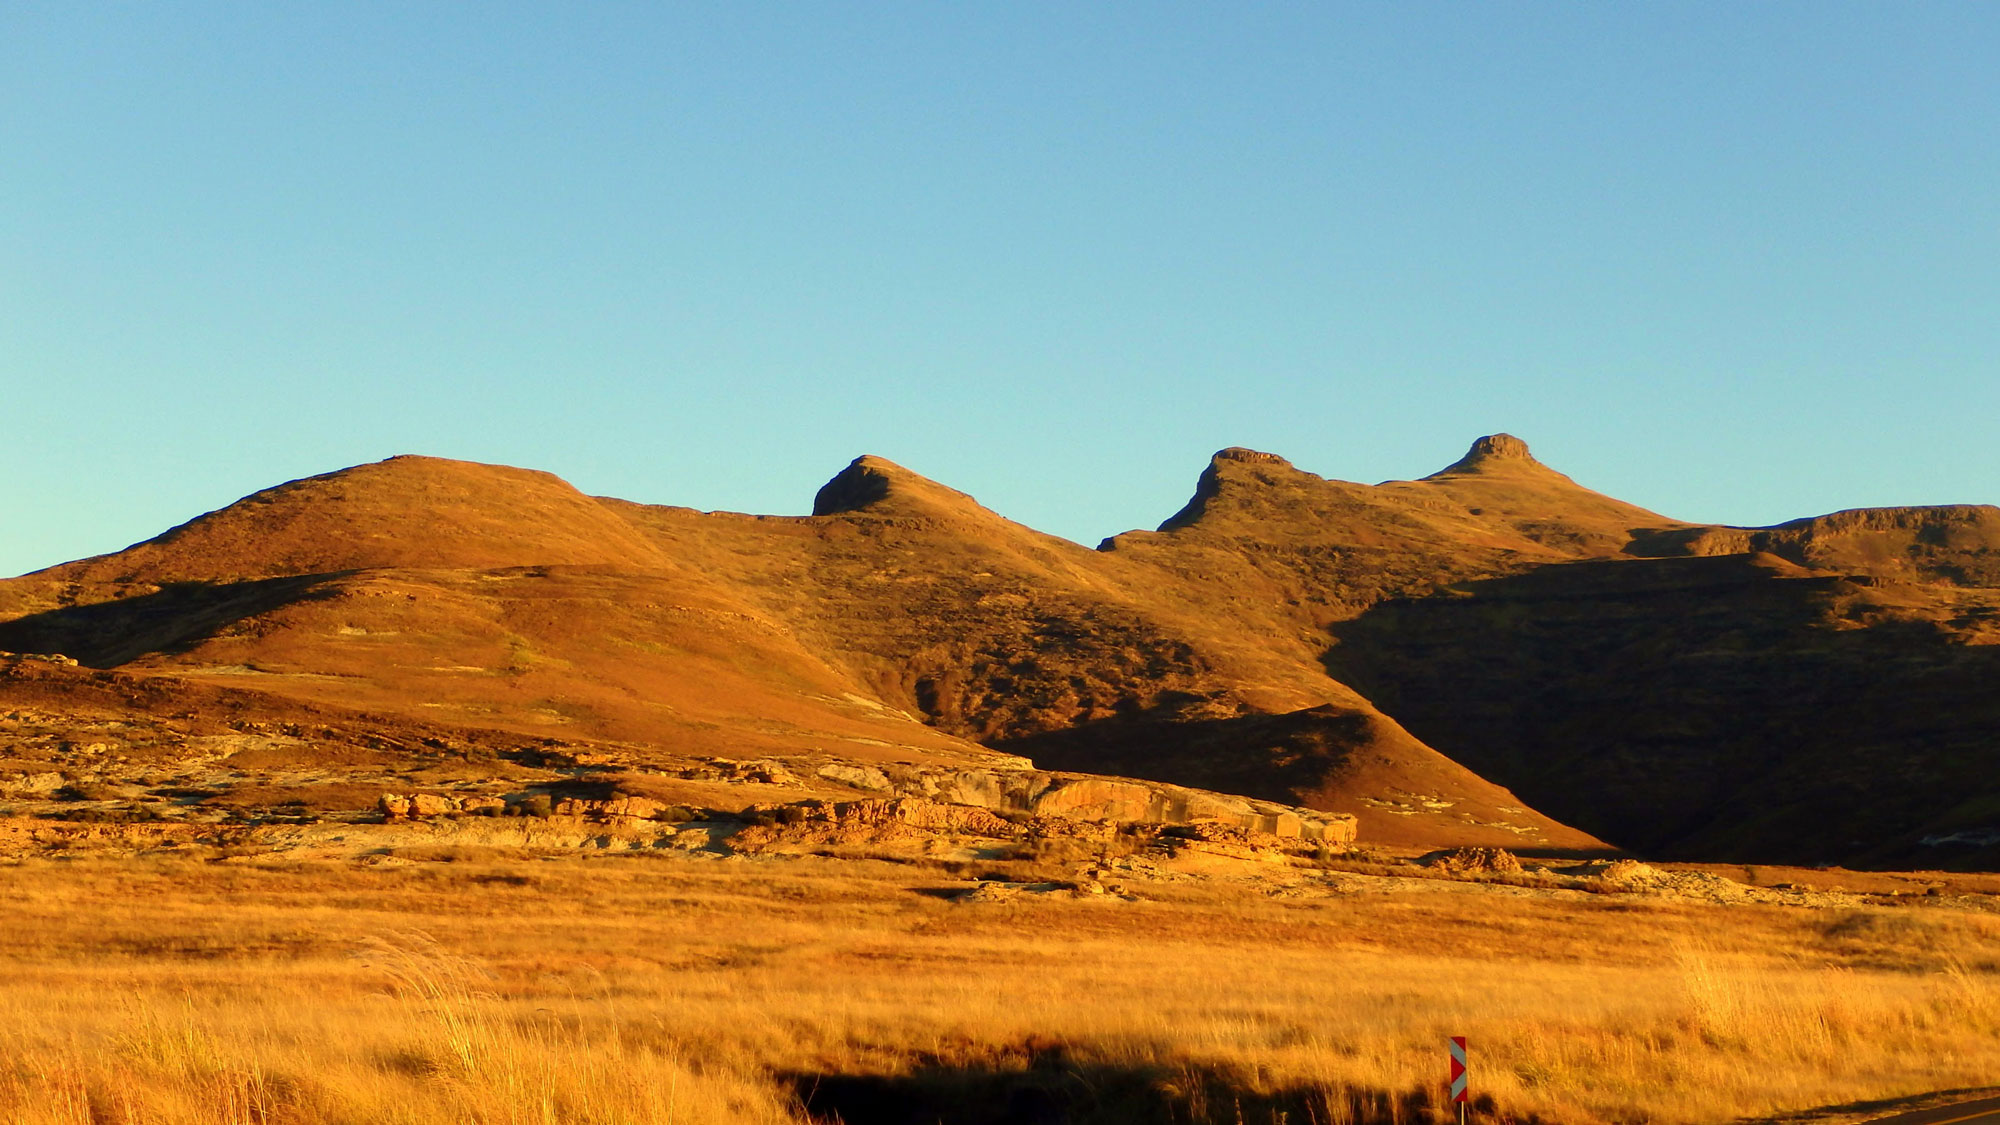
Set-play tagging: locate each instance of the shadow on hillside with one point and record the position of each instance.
(1046, 1087)
(1704, 709)
(1283, 757)
(175, 619)
(1268, 757)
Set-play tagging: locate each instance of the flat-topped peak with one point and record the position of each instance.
(1501, 445)
(1248, 456)
(1234, 467)
(1491, 450)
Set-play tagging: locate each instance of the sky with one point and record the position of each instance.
(1734, 262)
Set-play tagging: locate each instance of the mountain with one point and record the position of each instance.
(1488, 655)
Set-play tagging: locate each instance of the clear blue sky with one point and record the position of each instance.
(1736, 262)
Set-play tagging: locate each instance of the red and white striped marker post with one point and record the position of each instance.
(1458, 1083)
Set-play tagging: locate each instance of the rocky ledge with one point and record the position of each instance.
(1034, 793)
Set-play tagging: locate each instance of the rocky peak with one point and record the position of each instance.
(865, 481)
(1234, 463)
(1492, 451)
(1247, 456)
(869, 483)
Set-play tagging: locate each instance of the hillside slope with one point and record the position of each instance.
(1441, 657)
(902, 622)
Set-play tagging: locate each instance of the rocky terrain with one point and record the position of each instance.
(1490, 656)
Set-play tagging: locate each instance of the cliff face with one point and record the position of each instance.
(1440, 657)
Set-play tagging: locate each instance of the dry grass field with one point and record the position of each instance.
(480, 985)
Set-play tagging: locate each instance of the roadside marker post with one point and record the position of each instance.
(1458, 1082)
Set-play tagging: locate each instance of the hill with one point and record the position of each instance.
(1440, 657)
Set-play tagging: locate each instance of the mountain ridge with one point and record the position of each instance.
(1248, 643)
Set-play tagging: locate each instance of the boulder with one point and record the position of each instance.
(33, 784)
(643, 807)
(860, 777)
(1093, 799)
(771, 773)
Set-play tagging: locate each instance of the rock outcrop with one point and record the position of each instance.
(915, 794)
(1126, 801)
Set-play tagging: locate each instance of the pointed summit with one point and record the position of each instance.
(863, 482)
(1491, 451)
(1500, 482)
(877, 484)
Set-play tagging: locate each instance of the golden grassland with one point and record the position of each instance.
(493, 987)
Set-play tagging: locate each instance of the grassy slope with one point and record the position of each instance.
(399, 587)
(1353, 647)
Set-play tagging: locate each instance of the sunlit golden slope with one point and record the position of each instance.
(1353, 647)
(901, 621)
